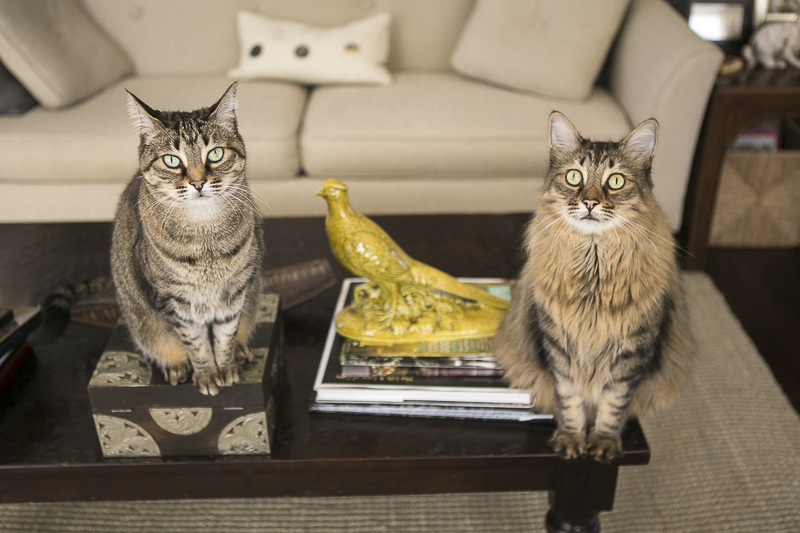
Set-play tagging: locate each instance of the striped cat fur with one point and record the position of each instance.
(597, 328)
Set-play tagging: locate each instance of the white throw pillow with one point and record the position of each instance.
(277, 49)
(555, 48)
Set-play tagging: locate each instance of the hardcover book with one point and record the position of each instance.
(332, 386)
(138, 414)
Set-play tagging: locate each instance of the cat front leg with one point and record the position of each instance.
(604, 442)
(195, 338)
(224, 334)
(569, 440)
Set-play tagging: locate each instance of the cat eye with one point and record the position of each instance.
(574, 177)
(171, 161)
(615, 181)
(215, 155)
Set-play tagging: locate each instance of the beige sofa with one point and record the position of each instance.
(433, 141)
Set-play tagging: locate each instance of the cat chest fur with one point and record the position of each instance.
(206, 284)
(597, 301)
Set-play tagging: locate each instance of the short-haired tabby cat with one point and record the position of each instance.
(187, 245)
(597, 328)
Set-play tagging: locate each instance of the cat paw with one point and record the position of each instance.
(242, 354)
(207, 382)
(176, 374)
(228, 375)
(603, 448)
(568, 445)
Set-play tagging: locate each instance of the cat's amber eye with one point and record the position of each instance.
(615, 181)
(215, 155)
(171, 161)
(574, 177)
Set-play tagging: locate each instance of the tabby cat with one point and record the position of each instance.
(597, 329)
(187, 245)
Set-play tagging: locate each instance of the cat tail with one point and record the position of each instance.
(57, 306)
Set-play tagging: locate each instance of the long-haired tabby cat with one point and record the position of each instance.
(597, 328)
(187, 244)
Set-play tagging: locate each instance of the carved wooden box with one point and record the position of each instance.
(138, 414)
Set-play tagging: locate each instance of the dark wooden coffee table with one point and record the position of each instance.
(49, 449)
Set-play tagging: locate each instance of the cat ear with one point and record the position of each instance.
(224, 111)
(640, 144)
(145, 124)
(563, 135)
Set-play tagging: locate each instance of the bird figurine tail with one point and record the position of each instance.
(436, 279)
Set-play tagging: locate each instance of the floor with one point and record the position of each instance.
(762, 287)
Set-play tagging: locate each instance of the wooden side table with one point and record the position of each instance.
(737, 101)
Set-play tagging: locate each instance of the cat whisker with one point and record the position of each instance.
(629, 232)
(243, 195)
(530, 243)
(670, 242)
(169, 211)
(254, 193)
(558, 232)
(244, 200)
(224, 196)
(158, 202)
(638, 229)
(634, 230)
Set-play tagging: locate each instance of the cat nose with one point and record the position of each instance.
(198, 184)
(590, 204)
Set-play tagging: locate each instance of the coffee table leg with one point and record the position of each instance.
(572, 524)
(583, 489)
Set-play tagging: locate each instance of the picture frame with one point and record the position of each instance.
(727, 23)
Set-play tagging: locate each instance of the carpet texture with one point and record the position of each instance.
(726, 457)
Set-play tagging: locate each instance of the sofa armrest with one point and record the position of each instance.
(660, 68)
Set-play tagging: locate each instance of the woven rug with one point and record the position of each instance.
(725, 457)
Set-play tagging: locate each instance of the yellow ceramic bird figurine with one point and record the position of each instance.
(406, 300)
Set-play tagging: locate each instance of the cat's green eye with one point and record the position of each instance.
(616, 181)
(574, 177)
(171, 161)
(215, 155)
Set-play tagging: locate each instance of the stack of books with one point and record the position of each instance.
(14, 329)
(446, 379)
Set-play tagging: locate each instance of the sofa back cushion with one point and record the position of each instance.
(199, 36)
(554, 48)
(55, 49)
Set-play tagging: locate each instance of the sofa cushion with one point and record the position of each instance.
(440, 124)
(279, 49)
(94, 140)
(552, 48)
(57, 51)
